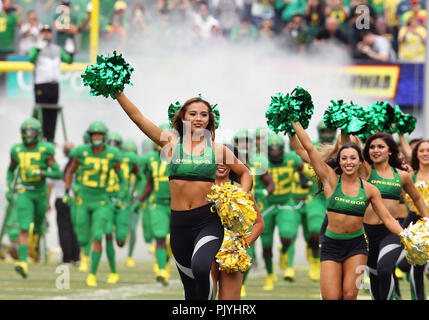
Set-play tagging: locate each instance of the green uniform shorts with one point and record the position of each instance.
(285, 217)
(316, 211)
(160, 211)
(92, 214)
(32, 205)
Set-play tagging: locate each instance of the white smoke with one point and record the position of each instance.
(239, 79)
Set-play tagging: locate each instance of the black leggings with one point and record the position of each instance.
(48, 93)
(416, 273)
(384, 251)
(196, 236)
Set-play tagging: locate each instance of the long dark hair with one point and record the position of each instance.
(394, 160)
(232, 175)
(180, 115)
(415, 163)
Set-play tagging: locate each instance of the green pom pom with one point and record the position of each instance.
(297, 106)
(172, 109)
(108, 75)
(349, 118)
(403, 123)
(336, 115)
(216, 113)
(379, 117)
(382, 117)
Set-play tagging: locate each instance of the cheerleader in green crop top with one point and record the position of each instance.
(383, 169)
(344, 247)
(196, 233)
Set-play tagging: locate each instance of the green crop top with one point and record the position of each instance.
(184, 166)
(389, 188)
(341, 203)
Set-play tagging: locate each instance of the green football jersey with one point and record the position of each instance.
(128, 160)
(8, 23)
(95, 168)
(157, 168)
(298, 192)
(310, 173)
(258, 164)
(32, 159)
(282, 175)
(142, 162)
(78, 172)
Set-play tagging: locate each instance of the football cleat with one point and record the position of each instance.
(314, 272)
(155, 268)
(162, 277)
(113, 278)
(283, 258)
(289, 275)
(91, 280)
(22, 269)
(84, 262)
(130, 262)
(269, 282)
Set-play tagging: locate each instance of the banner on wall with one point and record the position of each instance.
(19, 85)
(374, 81)
(369, 81)
(401, 83)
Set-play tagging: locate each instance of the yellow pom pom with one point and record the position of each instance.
(232, 256)
(237, 215)
(234, 207)
(415, 239)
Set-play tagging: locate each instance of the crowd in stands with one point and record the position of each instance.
(380, 30)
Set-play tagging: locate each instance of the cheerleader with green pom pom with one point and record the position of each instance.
(347, 197)
(279, 210)
(378, 169)
(196, 232)
(382, 160)
(383, 168)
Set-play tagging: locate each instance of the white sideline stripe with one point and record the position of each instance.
(120, 293)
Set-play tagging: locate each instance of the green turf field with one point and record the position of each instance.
(47, 281)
